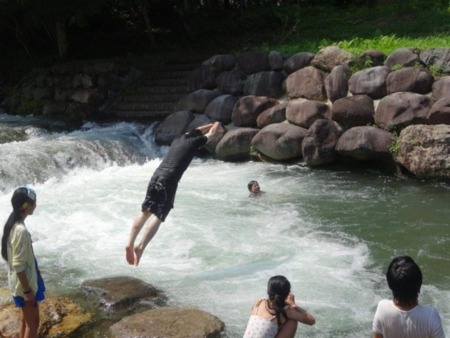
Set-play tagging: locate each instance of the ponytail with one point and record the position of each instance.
(12, 219)
(278, 289)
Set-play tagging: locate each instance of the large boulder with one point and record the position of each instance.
(221, 108)
(353, 111)
(280, 141)
(196, 101)
(169, 322)
(372, 58)
(318, 146)
(437, 57)
(201, 78)
(332, 56)
(298, 61)
(441, 88)
(410, 79)
(235, 145)
(277, 59)
(440, 112)
(121, 293)
(173, 126)
(267, 83)
(220, 63)
(405, 57)
(336, 83)
(276, 114)
(253, 62)
(247, 109)
(424, 150)
(370, 81)
(365, 143)
(59, 317)
(231, 82)
(308, 83)
(398, 110)
(304, 113)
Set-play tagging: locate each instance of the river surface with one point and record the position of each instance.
(332, 233)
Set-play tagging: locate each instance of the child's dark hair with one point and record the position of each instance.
(278, 288)
(250, 185)
(21, 199)
(404, 278)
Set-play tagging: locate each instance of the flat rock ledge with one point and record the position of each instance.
(169, 322)
(122, 294)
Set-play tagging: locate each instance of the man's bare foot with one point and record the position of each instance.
(129, 254)
(137, 255)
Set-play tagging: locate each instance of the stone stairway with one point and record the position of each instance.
(162, 84)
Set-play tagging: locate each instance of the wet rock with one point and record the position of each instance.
(169, 322)
(235, 145)
(121, 293)
(221, 108)
(276, 114)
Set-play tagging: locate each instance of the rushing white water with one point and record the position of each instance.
(329, 233)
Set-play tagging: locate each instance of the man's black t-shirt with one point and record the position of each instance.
(177, 160)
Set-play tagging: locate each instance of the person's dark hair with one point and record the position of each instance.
(193, 133)
(404, 278)
(21, 199)
(278, 288)
(250, 184)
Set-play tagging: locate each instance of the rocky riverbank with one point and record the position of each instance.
(324, 108)
(113, 307)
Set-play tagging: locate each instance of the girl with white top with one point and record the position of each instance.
(277, 316)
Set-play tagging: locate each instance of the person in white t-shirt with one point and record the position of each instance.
(403, 317)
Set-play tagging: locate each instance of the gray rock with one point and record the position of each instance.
(371, 81)
(235, 145)
(424, 150)
(372, 58)
(280, 141)
(318, 146)
(437, 57)
(253, 62)
(405, 57)
(248, 108)
(220, 63)
(276, 114)
(396, 111)
(267, 83)
(231, 82)
(203, 77)
(221, 108)
(441, 88)
(365, 143)
(298, 61)
(276, 60)
(196, 101)
(410, 79)
(173, 126)
(353, 111)
(308, 83)
(336, 83)
(440, 112)
(304, 113)
(329, 57)
(121, 293)
(169, 322)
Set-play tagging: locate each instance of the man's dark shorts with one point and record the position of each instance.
(159, 198)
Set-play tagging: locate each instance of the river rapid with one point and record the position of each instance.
(332, 232)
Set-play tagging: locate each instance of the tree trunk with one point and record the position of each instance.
(61, 38)
(148, 26)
